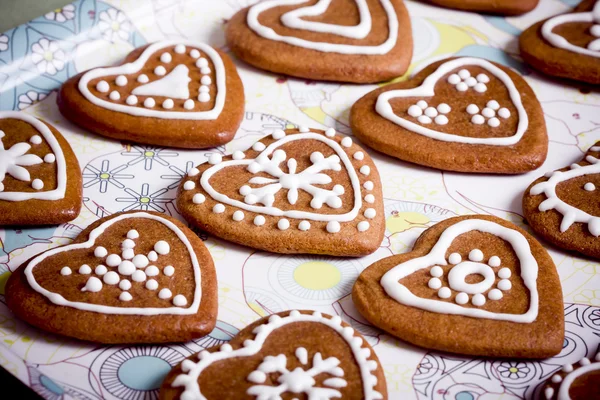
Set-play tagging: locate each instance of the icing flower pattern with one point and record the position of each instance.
(14, 159)
(114, 25)
(47, 56)
(63, 14)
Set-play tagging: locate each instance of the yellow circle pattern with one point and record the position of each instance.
(317, 275)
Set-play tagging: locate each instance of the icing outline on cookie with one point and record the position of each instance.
(192, 370)
(292, 19)
(103, 309)
(562, 43)
(565, 386)
(59, 159)
(138, 64)
(437, 256)
(553, 202)
(427, 89)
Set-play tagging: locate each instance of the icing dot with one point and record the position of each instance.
(121, 80)
(493, 104)
(370, 198)
(483, 78)
(125, 296)
(333, 227)
(495, 294)
(151, 284)
(204, 97)
(111, 278)
(160, 70)
(462, 298)
(202, 62)
(476, 255)
(346, 142)
(126, 268)
(101, 252)
(584, 361)
(480, 88)
(549, 392)
(363, 226)
(444, 293)
(258, 146)
(471, 81)
(464, 73)
(304, 226)
(152, 270)
(424, 119)
(204, 89)
(478, 119)
(567, 368)
(557, 378)
(504, 113)
(431, 112)
(590, 187)
(215, 158)
(65, 271)
(168, 104)
(138, 276)
(188, 104)
(180, 49)
(454, 258)
(478, 300)
(193, 172)
(504, 284)
(218, 208)
(198, 198)
(194, 53)
(149, 102)
(238, 215)
(205, 70)
(125, 284)
(189, 185)
(100, 270)
(93, 285)
(114, 95)
(415, 111)
(370, 213)
(37, 184)
(444, 108)
(504, 273)
(330, 132)
(165, 294)
(494, 261)
(278, 134)
(152, 256)
(49, 158)
(434, 283)
(131, 100)
(441, 120)
(365, 170)
(102, 86)
(595, 30)
(161, 247)
(179, 300)
(453, 79)
(488, 112)
(472, 109)
(462, 87)
(436, 271)
(166, 57)
(259, 220)
(283, 224)
(143, 78)
(169, 270)
(127, 244)
(113, 260)
(85, 269)
(368, 185)
(205, 80)
(128, 254)
(141, 261)
(35, 139)
(422, 104)
(494, 122)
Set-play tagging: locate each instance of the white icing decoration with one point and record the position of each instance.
(203, 97)
(369, 185)
(194, 53)
(126, 268)
(127, 254)
(169, 270)
(304, 225)
(131, 100)
(363, 226)
(149, 102)
(238, 155)
(215, 158)
(384, 108)
(111, 278)
(133, 234)
(462, 298)
(121, 80)
(189, 185)
(37, 184)
(198, 198)
(49, 158)
(160, 70)
(494, 261)
(365, 170)
(165, 294)
(563, 391)
(553, 202)
(476, 255)
(278, 134)
(504, 273)
(102, 86)
(458, 274)
(179, 300)
(100, 270)
(218, 208)
(36, 139)
(188, 104)
(127, 244)
(125, 296)
(495, 294)
(152, 256)
(478, 300)
(168, 104)
(504, 284)
(444, 293)
(173, 85)
(114, 95)
(141, 261)
(463, 81)
(370, 213)
(454, 259)
(556, 40)
(347, 142)
(330, 132)
(283, 224)
(137, 65)
(166, 57)
(65, 271)
(180, 48)
(259, 146)
(370, 198)
(434, 283)
(567, 368)
(85, 269)
(94, 283)
(529, 271)
(143, 78)
(151, 284)
(152, 270)
(590, 187)
(436, 271)
(238, 216)
(259, 220)
(124, 284)
(138, 276)
(333, 227)
(205, 80)
(189, 379)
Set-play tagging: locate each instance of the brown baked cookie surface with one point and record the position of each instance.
(475, 285)
(580, 381)
(335, 40)
(40, 178)
(295, 191)
(567, 45)
(460, 114)
(503, 7)
(171, 93)
(292, 354)
(562, 206)
(136, 277)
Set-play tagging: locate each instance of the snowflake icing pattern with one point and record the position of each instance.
(292, 181)
(14, 159)
(299, 380)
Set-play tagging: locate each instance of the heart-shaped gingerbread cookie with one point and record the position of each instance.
(297, 354)
(336, 40)
(128, 278)
(567, 45)
(563, 208)
(463, 114)
(474, 285)
(504, 7)
(296, 191)
(171, 93)
(40, 179)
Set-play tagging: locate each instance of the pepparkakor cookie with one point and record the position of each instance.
(292, 354)
(134, 277)
(567, 45)
(562, 206)
(504, 7)
(580, 381)
(462, 114)
(336, 40)
(475, 285)
(170, 93)
(295, 191)
(40, 179)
